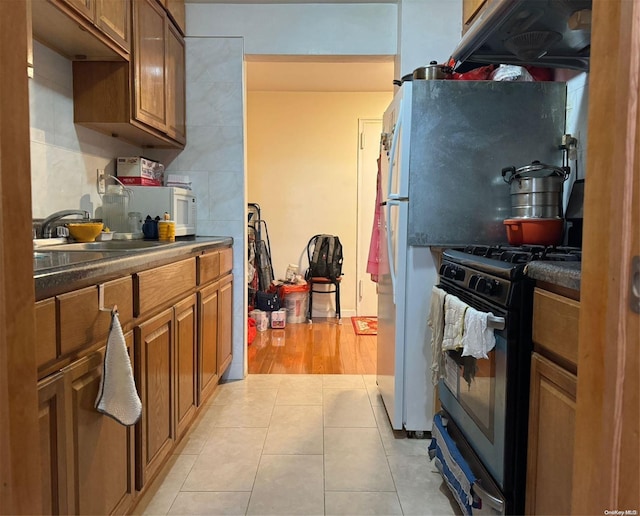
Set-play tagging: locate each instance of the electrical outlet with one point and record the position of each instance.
(101, 182)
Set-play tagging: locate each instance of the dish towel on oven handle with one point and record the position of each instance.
(478, 337)
(454, 310)
(452, 465)
(435, 321)
(117, 396)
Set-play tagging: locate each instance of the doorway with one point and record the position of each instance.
(369, 131)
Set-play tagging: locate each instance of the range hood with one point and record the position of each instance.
(548, 33)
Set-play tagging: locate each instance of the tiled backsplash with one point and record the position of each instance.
(64, 156)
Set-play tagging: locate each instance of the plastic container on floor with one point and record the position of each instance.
(296, 301)
(279, 318)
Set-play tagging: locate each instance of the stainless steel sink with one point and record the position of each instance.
(109, 245)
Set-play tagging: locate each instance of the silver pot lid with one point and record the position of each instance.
(535, 170)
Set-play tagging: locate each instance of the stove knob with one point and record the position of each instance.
(481, 285)
(485, 286)
(452, 272)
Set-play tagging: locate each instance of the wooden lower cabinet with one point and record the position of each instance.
(155, 377)
(225, 311)
(215, 352)
(53, 418)
(87, 457)
(179, 346)
(186, 363)
(552, 414)
(208, 341)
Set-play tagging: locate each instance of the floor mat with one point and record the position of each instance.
(365, 325)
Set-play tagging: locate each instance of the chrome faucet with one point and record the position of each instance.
(45, 230)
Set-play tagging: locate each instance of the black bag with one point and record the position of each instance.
(267, 301)
(326, 261)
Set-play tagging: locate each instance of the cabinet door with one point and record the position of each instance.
(470, 9)
(187, 364)
(102, 450)
(176, 11)
(208, 341)
(551, 437)
(175, 85)
(113, 17)
(150, 35)
(52, 416)
(155, 359)
(84, 7)
(225, 319)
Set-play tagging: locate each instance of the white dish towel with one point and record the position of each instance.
(436, 323)
(478, 338)
(454, 310)
(117, 396)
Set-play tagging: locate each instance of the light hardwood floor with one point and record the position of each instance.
(323, 347)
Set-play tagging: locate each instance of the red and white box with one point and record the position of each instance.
(279, 318)
(139, 171)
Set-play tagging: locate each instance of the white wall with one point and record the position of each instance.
(214, 159)
(64, 156)
(302, 171)
(428, 30)
(300, 29)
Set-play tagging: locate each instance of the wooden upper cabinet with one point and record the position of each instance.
(175, 71)
(470, 10)
(150, 35)
(84, 7)
(113, 17)
(176, 12)
(143, 101)
(96, 30)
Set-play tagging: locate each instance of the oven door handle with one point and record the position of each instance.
(490, 500)
(495, 322)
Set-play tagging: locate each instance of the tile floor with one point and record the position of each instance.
(298, 444)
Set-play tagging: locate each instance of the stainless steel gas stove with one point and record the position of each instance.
(488, 413)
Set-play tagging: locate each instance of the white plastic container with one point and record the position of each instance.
(297, 304)
(279, 318)
(261, 318)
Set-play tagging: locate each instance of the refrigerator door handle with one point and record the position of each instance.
(392, 265)
(394, 145)
(392, 198)
(397, 197)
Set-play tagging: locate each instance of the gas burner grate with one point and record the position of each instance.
(525, 253)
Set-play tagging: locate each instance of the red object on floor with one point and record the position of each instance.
(365, 325)
(252, 331)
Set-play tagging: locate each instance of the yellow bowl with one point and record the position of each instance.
(85, 232)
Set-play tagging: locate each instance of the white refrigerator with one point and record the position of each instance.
(443, 147)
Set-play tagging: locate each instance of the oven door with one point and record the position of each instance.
(473, 393)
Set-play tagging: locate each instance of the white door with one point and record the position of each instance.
(368, 151)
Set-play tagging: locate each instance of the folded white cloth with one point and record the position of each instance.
(436, 323)
(117, 396)
(478, 338)
(454, 310)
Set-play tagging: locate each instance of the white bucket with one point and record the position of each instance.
(261, 318)
(297, 304)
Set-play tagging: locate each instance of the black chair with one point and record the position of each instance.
(321, 280)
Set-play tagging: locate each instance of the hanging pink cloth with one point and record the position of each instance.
(373, 261)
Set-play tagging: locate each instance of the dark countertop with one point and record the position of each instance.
(563, 274)
(56, 272)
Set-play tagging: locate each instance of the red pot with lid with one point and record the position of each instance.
(534, 231)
